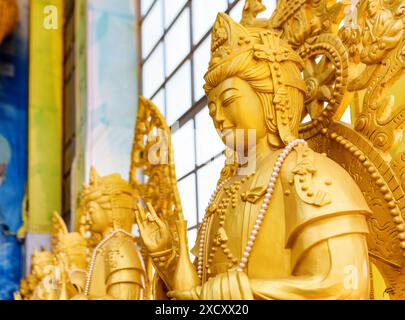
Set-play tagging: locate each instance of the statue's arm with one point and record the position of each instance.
(336, 268)
(326, 239)
(126, 284)
(124, 270)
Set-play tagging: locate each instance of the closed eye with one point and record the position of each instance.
(226, 102)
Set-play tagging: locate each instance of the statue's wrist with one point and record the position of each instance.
(162, 258)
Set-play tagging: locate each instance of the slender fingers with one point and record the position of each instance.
(152, 211)
(139, 213)
(154, 215)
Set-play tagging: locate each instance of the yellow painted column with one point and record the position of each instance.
(78, 168)
(45, 113)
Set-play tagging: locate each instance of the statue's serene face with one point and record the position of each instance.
(98, 217)
(234, 105)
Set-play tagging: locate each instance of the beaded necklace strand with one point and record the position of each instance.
(260, 217)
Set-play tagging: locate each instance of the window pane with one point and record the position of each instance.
(183, 145)
(192, 237)
(178, 42)
(145, 5)
(347, 116)
(188, 200)
(159, 101)
(270, 6)
(208, 177)
(201, 60)
(172, 8)
(236, 12)
(152, 29)
(209, 143)
(178, 92)
(204, 14)
(152, 72)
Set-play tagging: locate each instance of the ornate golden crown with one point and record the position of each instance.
(230, 39)
(111, 186)
(70, 240)
(40, 257)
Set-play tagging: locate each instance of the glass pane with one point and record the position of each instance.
(188, 200)
(152, 29)
(236, 12)
(183, 146)
(208, 177)
(153, 72)
(145, 5)
(178, 92)
(159, 101)
(201, 60)
(209, 143)
(347, 116)
(192, 237)
(270, 6)
(172, 8)
(178, 42)
(204, 14)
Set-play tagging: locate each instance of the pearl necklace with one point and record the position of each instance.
(94, 255)
(260, 217)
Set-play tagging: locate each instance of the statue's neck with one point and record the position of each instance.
(257, 153)
(108, 231)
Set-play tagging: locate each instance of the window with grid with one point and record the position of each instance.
(174, 53)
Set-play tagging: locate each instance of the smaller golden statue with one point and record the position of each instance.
(70, 250)
(41, 284)
(59, 274)
(116, 269)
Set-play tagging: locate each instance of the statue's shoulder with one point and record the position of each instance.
(315, 187)
(122, 253)
(124, 263)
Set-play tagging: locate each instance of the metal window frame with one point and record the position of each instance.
(196, 106)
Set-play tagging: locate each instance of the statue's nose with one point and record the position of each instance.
(219, 119)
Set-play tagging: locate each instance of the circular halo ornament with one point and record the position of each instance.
(326, 77)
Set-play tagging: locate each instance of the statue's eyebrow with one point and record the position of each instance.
(226, 90)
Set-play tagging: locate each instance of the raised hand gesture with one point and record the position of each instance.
(154, 232)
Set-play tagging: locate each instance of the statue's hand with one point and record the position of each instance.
(154, 232)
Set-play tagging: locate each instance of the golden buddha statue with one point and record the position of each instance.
(116, 269)
(305, 212)
(59, 274)
(279, 232)
(43, 276)
(70, 249)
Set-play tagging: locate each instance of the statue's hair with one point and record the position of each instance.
(257, 74)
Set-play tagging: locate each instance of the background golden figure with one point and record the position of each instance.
(116, 269)
(61, 273)
(70, 249)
